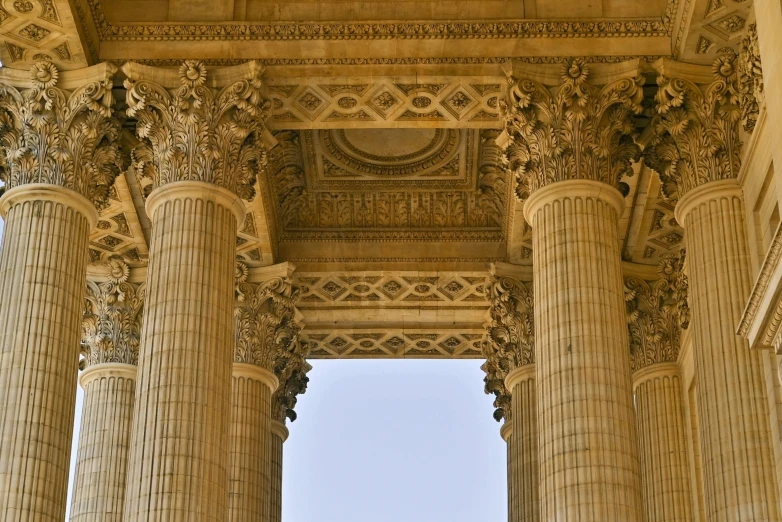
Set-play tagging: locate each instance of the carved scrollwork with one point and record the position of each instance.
(696, 130)
(576, 131)
(111, 323)
(656, 313)
(65, 138)
(199, 133)
(291, 368)
(264, 319)
(510, 339)
(750, 78)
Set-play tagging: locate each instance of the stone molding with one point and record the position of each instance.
(48, 192)
(105, 370)
(198, 191)
(280, 430)
(112, 319)
(58, 128)
(197, 126)
(506, 431)
(573, 188)
(573, 126)
(657, 312)
(241, 370)
(662, 369)
(711, 190)
(696, 138)
(522, 373)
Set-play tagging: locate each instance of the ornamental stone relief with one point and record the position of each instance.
(65, 137)
(449, 185)
(386, 343)
(510, 337)
(657, 311)
(111, 324)
(750, 72)
(291, 369)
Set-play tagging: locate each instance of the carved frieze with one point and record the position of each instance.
(657, 311)
(696, 133)
(64, 137)
(291, 368)
(575, 130)
(111, 324)
(391, 342)
(510, 339)
(750, 72)
(444, 191)
(193, 131)
(265, 326)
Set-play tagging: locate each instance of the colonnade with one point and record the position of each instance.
(192, 368)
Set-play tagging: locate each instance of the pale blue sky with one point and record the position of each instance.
(390, 441)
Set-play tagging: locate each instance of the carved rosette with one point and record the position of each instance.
(291, 369)
(750, 73)
(59, 137)
(199, 133)
(510, 338)
(111, 324)
(574, 131)
(265, 319)
(657, 312)
(696, 132)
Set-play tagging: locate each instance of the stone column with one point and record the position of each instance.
(264, 330)
(510, 376)
(291, 368)
(280, 434)
(111, 336)
(570, 144)
(55, 172)
(200, 147)
(696, 153)
(656, 312)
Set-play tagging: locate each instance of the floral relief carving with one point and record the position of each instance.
(291, 368)
(750, 72)
(575, 131)
(264, 319)
(65, 138)
(656, 313)
(199, 133)
(111, 323)
(696, 135)
(510, 339)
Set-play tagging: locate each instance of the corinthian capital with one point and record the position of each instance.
(696, 129)
(657, 311)
(57, 128)
(111, 324)
(265, 319)
(291, 369)
(510, 337)
(579, 126)
(198, 127)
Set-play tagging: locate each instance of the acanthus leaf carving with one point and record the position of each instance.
(199, 133)
(291, 368)
(657, 312)
(696, 134)
(575, 131)
(65, 138)
(264, 319)
(111, 323)
(750, 72)
(510, 337)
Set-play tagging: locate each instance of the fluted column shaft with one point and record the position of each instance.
(104, 441)
(587, 440)
(278, 438)
(665, 473)
(523, 446)
(738, 466)
(249, 487)
(179, 448)
(42, 274)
